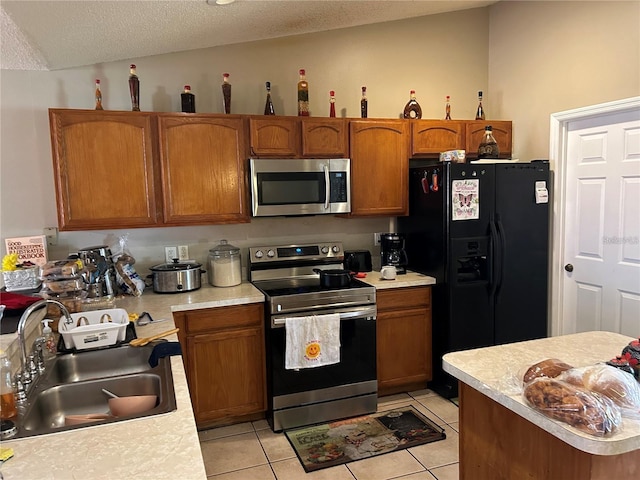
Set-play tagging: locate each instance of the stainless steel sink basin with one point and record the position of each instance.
(73, 383)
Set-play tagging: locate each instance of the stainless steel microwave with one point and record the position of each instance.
(300, 186)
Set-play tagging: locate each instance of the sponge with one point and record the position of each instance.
(5, 454)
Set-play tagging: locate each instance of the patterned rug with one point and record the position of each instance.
(328, 444)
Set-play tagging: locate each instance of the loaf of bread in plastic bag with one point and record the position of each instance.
(551, 368)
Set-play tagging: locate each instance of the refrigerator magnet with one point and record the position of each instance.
(542, 194)
(465, 199)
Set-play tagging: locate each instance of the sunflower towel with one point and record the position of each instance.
(312, 341)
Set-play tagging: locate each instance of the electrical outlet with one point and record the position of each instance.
(170, 253)
(183, 253)
(376, 239)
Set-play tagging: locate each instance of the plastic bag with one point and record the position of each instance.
(550, 368)
(619, 386)
(587, 411)
(126, 277)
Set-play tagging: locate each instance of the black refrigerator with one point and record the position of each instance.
(482, 230)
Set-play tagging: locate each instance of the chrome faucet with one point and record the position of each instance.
(23, 321)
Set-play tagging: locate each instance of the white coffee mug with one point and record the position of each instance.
(388, 272)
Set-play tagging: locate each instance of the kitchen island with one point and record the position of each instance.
(162, 446)
(503, 438)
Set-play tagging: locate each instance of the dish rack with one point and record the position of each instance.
(97, 328)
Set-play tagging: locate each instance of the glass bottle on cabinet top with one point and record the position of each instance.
(488, 147)
(447, 108)
(268, 106)
(98, 95)
(134, 88)
(480, 111)
(332, 104)
(364, 103)
(188, 100)
(303, 94)
(412, 109)
(226, 93)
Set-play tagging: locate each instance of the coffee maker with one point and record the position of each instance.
(392, 251)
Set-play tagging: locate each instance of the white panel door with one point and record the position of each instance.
(602, 229)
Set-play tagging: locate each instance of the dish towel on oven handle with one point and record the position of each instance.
(312, 341)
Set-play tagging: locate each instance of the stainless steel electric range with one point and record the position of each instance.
(285, 274)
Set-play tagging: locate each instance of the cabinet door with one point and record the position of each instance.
(430, 137)
(104, 169)
(226, 373)
(274, 136)
(379, 152)
(203, 161)
(324, 137)
(404, 339)
(501, 132)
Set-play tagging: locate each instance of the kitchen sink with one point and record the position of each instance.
(73, 384)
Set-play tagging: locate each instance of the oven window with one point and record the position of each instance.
(291, 188)
(357, 360)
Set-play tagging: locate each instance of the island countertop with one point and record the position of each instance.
(493, 371)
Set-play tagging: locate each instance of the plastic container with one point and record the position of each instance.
(7, 391)
(97, 328)
(224, 265)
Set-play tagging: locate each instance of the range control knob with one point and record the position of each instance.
(325, 249)
(335, 249)
(271, 253)
(259, 254)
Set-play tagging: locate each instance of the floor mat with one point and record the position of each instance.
(328, 444)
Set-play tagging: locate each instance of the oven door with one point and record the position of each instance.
(357, 357)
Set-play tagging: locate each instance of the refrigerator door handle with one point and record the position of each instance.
(494, 257)
(500, 261)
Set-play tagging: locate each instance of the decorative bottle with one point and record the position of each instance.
(412, 108)
(268, 106)
(480, 110)
(332, 104)
(7, 391)
(303, 95)
(134, 88)
(188, 100)
(488, 146)
(226, 93)
(447, 109)
(364, 103)
(98, 95)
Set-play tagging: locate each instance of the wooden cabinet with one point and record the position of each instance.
(379, 151)
(105, 170)
(224, 357)
(430, 137)
(501, 131)
(298, 137)
(324, 137)
(403, 339)
(203, 169)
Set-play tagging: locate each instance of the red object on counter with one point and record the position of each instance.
(16, 301)
(361, 275)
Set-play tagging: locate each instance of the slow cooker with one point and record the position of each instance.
(176, 277)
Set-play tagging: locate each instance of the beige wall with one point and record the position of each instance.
(530, 58)
(547, 57)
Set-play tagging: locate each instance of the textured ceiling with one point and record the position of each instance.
(58, 34)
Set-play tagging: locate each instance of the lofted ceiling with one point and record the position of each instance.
(59, 34)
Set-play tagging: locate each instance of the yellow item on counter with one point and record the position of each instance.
(9, 262)
(5, 454)
(133, 317)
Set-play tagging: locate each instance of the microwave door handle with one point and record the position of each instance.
(327, 189)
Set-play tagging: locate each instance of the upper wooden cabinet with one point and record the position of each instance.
(203, 169)
(273, 136)
(379, 152)
(104, 169)
(435, 136)
(324, 137)
(501, 131)
(285, 137)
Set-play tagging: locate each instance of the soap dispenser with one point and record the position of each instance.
(50, 348)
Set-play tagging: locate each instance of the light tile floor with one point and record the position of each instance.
(251, 451)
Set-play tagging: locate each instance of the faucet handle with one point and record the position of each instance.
(21, 394)
(33, 367)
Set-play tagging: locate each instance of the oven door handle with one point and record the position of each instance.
(366, 314)
(327, 187)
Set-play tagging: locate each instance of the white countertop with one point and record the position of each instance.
(494, 371)
(158, 447)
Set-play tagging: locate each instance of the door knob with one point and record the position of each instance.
(568, 267)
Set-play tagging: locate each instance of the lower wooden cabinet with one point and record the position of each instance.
(224, 356)
(404, 339)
